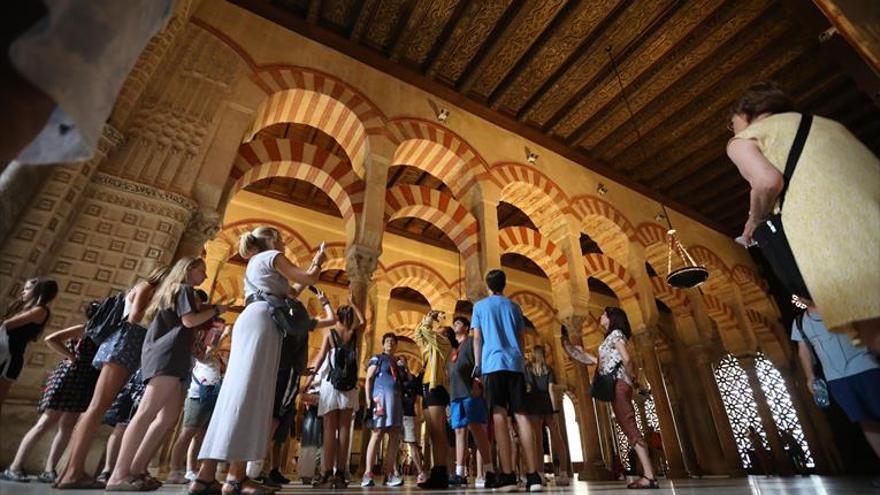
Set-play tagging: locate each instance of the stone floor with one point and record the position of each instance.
(739, 486)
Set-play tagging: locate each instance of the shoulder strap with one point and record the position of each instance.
(335, 337)
(795, 153)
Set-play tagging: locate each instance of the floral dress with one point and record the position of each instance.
(387, 401)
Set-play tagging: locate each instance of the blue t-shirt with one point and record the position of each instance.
(500, 320)
(838, 356)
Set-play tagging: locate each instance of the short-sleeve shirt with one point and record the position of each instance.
(839, 357)
(460, 367)
(261, 275)
(206, 373)
(411, 387)
(609, 356)
(294, 351)
(500, 321)
(168, 344)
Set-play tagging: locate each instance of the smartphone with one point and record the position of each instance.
(313, 289)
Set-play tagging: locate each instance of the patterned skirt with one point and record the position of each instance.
(126, 402)
(70, 386)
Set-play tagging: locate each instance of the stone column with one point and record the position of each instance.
(716, 406)
(671, 445)
(749, 364)
(360, 263)
(593, 464)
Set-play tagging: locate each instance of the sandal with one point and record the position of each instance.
(136, 484)
(47, 477)
(238, 487)
(103, 477)
(636, 485)
(84, 483)
(212, 487)
(16, 476)
(150, 484)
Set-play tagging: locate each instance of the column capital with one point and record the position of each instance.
(202, 227)
(575, 323)
(360, 262)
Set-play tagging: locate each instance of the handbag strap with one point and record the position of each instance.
(794, 154)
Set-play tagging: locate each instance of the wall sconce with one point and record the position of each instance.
(826, 35)
(441, 113)
(531, 156)
(601, 189)
(660, 218)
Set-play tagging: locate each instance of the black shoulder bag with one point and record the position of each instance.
(770, 236)
(603, 384)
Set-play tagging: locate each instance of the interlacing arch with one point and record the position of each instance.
(767, 331)
(299, 106)
(230, 291)
(265, 158)
(424, 280)
(721, 313)
(438, 151)
(653, 237)
(535, 308)
(437, 208)
(532, 192)
(612, 274)
(605, 224)
(531, 244)
(674, 298)
(275, 78)
(753, 289)
(296, 248)
(335, 252)
(720, 279)
(404, 322)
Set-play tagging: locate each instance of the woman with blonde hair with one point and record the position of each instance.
(118, 357)
(239, 428)
(166, 366)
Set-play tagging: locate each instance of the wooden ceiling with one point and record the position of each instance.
(543, 69)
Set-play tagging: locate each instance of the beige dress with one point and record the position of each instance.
(831, 214)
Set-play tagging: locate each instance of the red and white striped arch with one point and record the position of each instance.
(423, 279)
(335, 252)
(753, 289)
(404, 322)
(613, 274)
(265, 158)
(537, 309)
(675, 299)
(767, 331)
(296, 248)
(471, 163)
(531, 191)
(531, 244)
(653, 237)
(720, 277)
(299, 106)
(229, 291)
(437, 208)
(721, 313)
(605, 224)
(277, 78)
(437, 160)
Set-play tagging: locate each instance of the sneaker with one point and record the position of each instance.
(562, 479)
(393, 480)
(490, 481)
(47, 477)
(103, 477)
(16, 476)
(533, 482)
(456, 480)
(438, 480)
(367, 480)
(191, 476)
(267, 482)
(324, 480)
(176, 478)
(480, 483)
(276, 477)
(506, 483)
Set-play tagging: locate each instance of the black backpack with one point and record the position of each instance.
(343, 364)
(106, 318)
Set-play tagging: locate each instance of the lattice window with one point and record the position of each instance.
(622, 443)
(739, 403)
(779, 400)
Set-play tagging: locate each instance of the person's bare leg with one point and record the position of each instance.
(460, 446)
(417, 458)
(439, 443)
(161, 426)
(181, 449)
(207, 471)
(44, 425)
(62, 437)
(393, 449)
(328, 456)
(111, 380)
(141, 432)
(192, 454)
(372, 450)
(645, 461)
(484, 449)
(537, 423)
(276, 455)
(527, 439)
(113, 444)
(871, 430)
(559, 443)
(502, 439)
(344, 434)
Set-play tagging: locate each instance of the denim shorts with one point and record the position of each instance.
(470, 410)
(858, 395)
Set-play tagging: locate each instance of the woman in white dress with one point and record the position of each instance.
(336, 406)
(242, 419)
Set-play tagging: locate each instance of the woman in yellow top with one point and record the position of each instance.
(831, 213)
(435, 345)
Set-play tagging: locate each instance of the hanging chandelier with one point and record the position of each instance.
(690, 275)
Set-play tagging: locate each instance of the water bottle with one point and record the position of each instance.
(820, 393)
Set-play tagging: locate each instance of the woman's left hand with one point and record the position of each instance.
(749, 230)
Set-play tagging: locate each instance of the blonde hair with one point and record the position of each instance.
(157, 275)
(166, 294)
(256, 241)
(539, 368)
